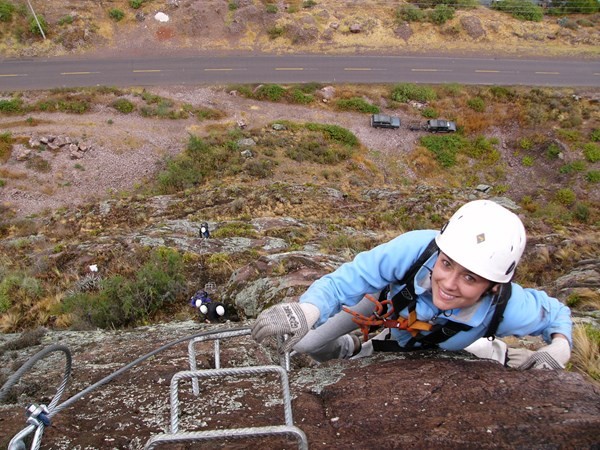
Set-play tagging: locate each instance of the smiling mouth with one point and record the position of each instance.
(445, 297)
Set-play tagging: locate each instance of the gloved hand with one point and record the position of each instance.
(293, 319)
(553, 356)
(487, 349)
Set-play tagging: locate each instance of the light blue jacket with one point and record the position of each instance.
(529, 311)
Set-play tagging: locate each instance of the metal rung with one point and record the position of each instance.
(232, 433)
(285, 360)
(176, 436)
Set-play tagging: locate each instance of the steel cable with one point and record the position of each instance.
(16, 443)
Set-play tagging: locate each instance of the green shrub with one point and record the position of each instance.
(208, 114)
(123, 105)
(569, 135)
(335, 133)
(271, 92)
(116, 14)
(429, 113)
(200, 161)
(6, 11)
(575, 166)
(233, 5)
(12, 106)
(476, 104)
(595, 135)
(66, 20)
(581, 212)
(591, 151)
(553, 151)
(2, 183)
(271, 9)
(404, 92)
(444, 148)
(593, 176)
(520, 9)
(502, 93)
(482, 149)
(565, 196)
(301, 98)
(526, 143)
(309, 3)
(409, 13)
(122, 302)
(356, 104)
(275, 32)
(136, 4)
(34, 28)
(74, 106)
(527, 161)
(574, 7)
(440, 14)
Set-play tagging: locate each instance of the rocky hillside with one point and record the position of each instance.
(131, 27)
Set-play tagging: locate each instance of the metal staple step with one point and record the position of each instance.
(175, 436)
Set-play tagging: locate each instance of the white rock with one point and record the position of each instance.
(161, 17)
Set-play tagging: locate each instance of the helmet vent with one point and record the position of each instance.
(510, 268)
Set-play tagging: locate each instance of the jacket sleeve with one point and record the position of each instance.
(369, 272)
(533, 312)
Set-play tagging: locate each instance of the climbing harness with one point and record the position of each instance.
(40, 416)
(385, 314)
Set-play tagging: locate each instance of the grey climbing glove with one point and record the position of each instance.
(553, 356)
(291, 319)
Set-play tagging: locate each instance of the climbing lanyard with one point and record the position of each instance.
(379, 318)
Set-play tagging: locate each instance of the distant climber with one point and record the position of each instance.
(204, 231)
(208, 309)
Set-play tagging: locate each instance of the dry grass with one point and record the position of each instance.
(586, 351)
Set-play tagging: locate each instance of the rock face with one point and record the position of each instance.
(423, 400)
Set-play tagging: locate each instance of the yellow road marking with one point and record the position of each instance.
(77, 73)
(547, 73)
(10, 75)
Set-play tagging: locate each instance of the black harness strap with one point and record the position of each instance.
(500, 301)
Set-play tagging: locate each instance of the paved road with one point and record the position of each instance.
(20, 74)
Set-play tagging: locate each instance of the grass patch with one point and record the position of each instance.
(404, 92)
(201, 160)
(12, 106)
(335, 133)
(445, 148)
(356, 104)
(6, 145)
(123, 105)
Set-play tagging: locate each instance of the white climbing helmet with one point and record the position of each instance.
(485, 238)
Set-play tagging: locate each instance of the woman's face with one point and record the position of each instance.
(455, 287)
